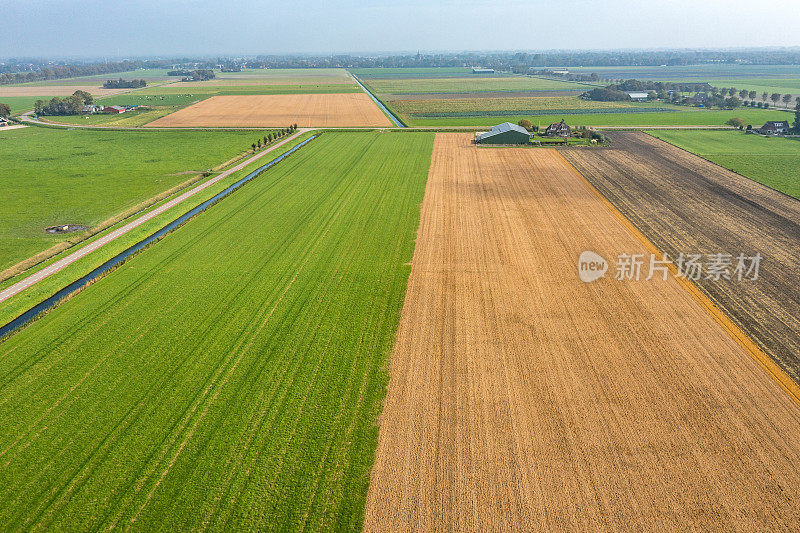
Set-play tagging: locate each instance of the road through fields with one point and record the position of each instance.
(685, 204)
(62, 263)
(522, 398)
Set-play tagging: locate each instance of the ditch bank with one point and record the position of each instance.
(34, 312)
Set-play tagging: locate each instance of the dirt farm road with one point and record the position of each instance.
(522, 398)
(62, 263)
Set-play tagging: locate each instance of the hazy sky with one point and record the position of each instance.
(174, 27)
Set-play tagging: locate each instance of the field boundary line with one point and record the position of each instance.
(719, 316)
(62, 263)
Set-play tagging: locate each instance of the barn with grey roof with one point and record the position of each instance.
(505, 133)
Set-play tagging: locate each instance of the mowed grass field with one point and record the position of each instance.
(774, 162)
(469, 85)
(56, 176)
(197, 90)
(669, 116)
(482, 101)
(230, 377)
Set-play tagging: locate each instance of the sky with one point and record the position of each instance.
(114, 29)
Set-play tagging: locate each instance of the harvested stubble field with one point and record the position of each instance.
(521, 397)
(315, 110)
(229, 377)
(685, 204)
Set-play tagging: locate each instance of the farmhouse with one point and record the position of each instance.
(638, 96)
(774, 128)
(559, 129)
(699, 99)
(478, 70)
(114, 109)
(506, 133)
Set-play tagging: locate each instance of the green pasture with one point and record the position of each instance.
(56, 176)
(217, 90)
(230, 377)
(772, 161)
(20, 104)
(129, 119)
(468, 85)
(694, 73)
(674, 116)
(414, 72)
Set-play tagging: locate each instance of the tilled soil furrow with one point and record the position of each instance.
(521, 398)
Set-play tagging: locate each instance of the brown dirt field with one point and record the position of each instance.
(684, 203)
(523, 399)
(55, 90)
(280, 110)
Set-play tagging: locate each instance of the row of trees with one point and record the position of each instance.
(17, 72)
(273, 137)
(796, 128)
(708, 96)
(70, 105)
(124, 84)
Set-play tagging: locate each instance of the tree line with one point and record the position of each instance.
(705, 94)
(70, 105)
(20, 71)
(256, 146)
(124, 84)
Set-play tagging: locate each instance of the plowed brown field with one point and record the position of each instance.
(685, 204)
(279, 110)
(521, 398)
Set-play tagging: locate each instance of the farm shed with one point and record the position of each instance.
(640, 96)
(114, 109)
(505, 133)
(478, 70)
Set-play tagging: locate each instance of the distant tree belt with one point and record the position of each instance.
(71, 105)
(124, 84)
(199, 74)
(69, 71)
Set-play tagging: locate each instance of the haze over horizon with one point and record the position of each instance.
(204, 27)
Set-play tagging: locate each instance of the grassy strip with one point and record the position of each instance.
(31, 296)
(680, 117)
(53, 175)
(774, 162)
(231, 377)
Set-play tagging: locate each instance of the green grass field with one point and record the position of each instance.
(468, 85)
(129, 119)
(786, 86)
(19, 104)
(214, 90)
(677, 116)
(149, 75)
(694, 73)
(249, 402)
(413, 72)
(773, 161)
(57, 176)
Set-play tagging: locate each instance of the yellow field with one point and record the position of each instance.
(305, 110)
(523, 398)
